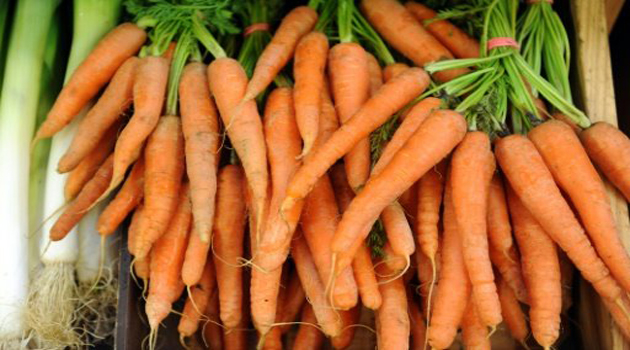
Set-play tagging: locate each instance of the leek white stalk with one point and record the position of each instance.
(18, 109)
(53, 294)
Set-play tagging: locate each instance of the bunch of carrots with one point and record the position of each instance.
(341, 189)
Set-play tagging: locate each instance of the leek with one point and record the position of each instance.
(18, 110)
(52, 299)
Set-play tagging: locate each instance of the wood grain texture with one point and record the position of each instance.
(598, 101)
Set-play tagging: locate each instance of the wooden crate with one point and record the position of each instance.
(594, 93)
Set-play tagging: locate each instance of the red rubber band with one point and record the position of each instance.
(502, 41)
(256, 27)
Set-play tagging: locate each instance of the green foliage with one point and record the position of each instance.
(376, 239)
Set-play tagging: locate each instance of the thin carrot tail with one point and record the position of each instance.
(493, 329)
(429, 298)
(261, 341)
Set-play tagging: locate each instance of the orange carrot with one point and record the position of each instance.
(92, 130)
(563, 118)
(132, 233)
(376, 74)
(142, 269)
(474, 332)
(577, 177)
(609, 148)
(308, 70)
(308, 337)
(149, 90)
(350, 82)
(427, 278)
(512, 312)
(418, 327)
(86, 169)
(197, 300)
(393, 70)
(453, 293)
(405, 168)
(229, 230)
(265, 288)
(390, 98)
(236, 339)
(394, 261)
(212, 332)
(319, 222)
(194, 258)
(532, 181)
(200, 125)
(314, 287)
(618, 314)
(244, 127)
(430, 188)
(503, 253)
(349, 318)
(94, 72)
(279, 51)
(398, 230)
(392, 319)
(416, 116)
(456, 40)
(75, 211)
(472, 167)
(273, 340)
(164, 162)
(362, 266)
(166, 262)
(405, 34)
(292, 303)
(126, 200)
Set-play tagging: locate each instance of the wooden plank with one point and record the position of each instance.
(598, 101)
(613, 8)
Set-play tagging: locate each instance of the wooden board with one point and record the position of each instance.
(597, 99)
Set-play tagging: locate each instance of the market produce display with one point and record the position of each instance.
(281, 170)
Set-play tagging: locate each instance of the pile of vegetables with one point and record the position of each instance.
(277, 166)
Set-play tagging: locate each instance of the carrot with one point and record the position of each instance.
(618, 314)
(405, 34)
(503, 253)
(474, 332)
(164, 162)
(292, 303)
(132, 233)
(229, 230)
(563, 118)
(393, 70)
(472, 167)
(277, 239)
(319, 222)
(197, 300)
(609, 148)
(427, 278)
(94, 72)
(308, 70)
(273, 340)
(416, 116)
(92, 129)
(349, 318)
(394, 261)
(167, 256)
(194, 258)
(512, 312)
(236, 339)
(376, 74)
(398, 230)
(453, 293)
(418, 327)
(456, 40)
(297, 23)
(577, 177)
(405, 168)
(308, 337)
(532, 181)
(126, 200)
(349, 74)
(390, 98)
(200, 125)
(409, 201)
(142, 269)
(430, 188)
(392, 320)
(88, 166)
(149, 90)
(314, 287)
(244, 127)
(75, 211)
(212, 332)
(265, 287)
